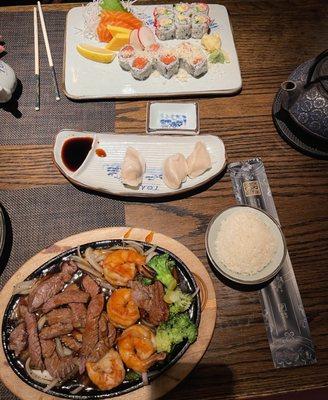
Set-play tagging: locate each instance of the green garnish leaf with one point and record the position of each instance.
(112, 5)
(132, 376)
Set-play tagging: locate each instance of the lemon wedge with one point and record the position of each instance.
(95, 53)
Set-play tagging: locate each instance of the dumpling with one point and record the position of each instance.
(199, 160)
(133, 167)
(175, 170)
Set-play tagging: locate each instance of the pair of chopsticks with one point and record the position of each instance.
(36, 55)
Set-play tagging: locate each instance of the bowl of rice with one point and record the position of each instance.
(245, 244)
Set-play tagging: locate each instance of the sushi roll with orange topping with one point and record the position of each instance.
(141, 68)
(196, 65)
(126, 56)
(167, 64)
(199, 25)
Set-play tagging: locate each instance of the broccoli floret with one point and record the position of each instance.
(172, 332)
(163, 268)
(179, 301)
(145, 281)
(132, 376)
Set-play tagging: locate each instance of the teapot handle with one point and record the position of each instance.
(317, 60)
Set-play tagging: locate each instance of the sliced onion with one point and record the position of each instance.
(24, 287)
(41, 322)
(105, 284)
(89, 270)
(195, 293)
(78, 250)
(39, 376)
(88, 254)
(137, 246)
(144, 377)
(78, 389)
(67, 351)
(51, 385)
(144, 322)
(80, 260)
(150, 250)
(59, 347)
(150, 256)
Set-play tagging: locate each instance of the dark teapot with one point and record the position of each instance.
(300, 110)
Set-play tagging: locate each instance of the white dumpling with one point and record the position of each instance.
(175, 170)
(133, 167)
(199, 160)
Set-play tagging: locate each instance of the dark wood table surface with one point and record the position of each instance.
(272, 37)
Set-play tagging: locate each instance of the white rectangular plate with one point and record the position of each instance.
(86, 79)
(103, 174)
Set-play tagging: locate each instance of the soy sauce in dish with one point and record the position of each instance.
(75, 151)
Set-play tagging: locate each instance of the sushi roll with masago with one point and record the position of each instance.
(182, 26)
(165, 28)
(168, 64)
(126, 56)
(199, 25)
(141, 68)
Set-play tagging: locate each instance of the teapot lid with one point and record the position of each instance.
(304, 123)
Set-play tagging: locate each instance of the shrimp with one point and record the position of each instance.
(137, 348)
(108, 372)
(121, 309)
(120, 266)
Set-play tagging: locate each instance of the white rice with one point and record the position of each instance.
(245, 244)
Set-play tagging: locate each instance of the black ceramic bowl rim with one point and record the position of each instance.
(230, 277)
(53, 263)
(2, 231)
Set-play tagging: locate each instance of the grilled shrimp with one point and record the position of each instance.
(120, 266)
(121, 309)
(108, 372)
(137, 348)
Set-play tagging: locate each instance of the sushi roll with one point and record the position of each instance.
(168, 64)
(166, 11)
(183, 8)
(141, 68)
(152, 51)
(126, 56)
(199, 25)
(182, 26)
(196, 65)
(200, 8)
(165, 28)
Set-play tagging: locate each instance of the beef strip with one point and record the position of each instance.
(59, 368)
(107, 331)
(52, 331)
(79, 314)
(90, 286)
(48, 288)
(18, 339)
(34, 347)
(91, 332)
(71, 343)
(151, 300)
(59, 315)
(72, 294)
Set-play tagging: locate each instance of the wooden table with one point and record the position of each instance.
(272, 38)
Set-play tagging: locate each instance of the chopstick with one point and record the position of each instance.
(36, 59)
(46, 41)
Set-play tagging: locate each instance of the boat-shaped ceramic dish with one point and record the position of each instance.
(100, 163)
(86, 79)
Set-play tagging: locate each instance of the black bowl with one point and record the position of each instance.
(187, 284)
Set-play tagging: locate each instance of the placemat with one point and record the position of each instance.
(41, 216)
(25, 125)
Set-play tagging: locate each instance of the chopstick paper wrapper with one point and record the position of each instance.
(284, 316)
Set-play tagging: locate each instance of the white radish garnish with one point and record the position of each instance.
(146, 36)
(134, 40)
